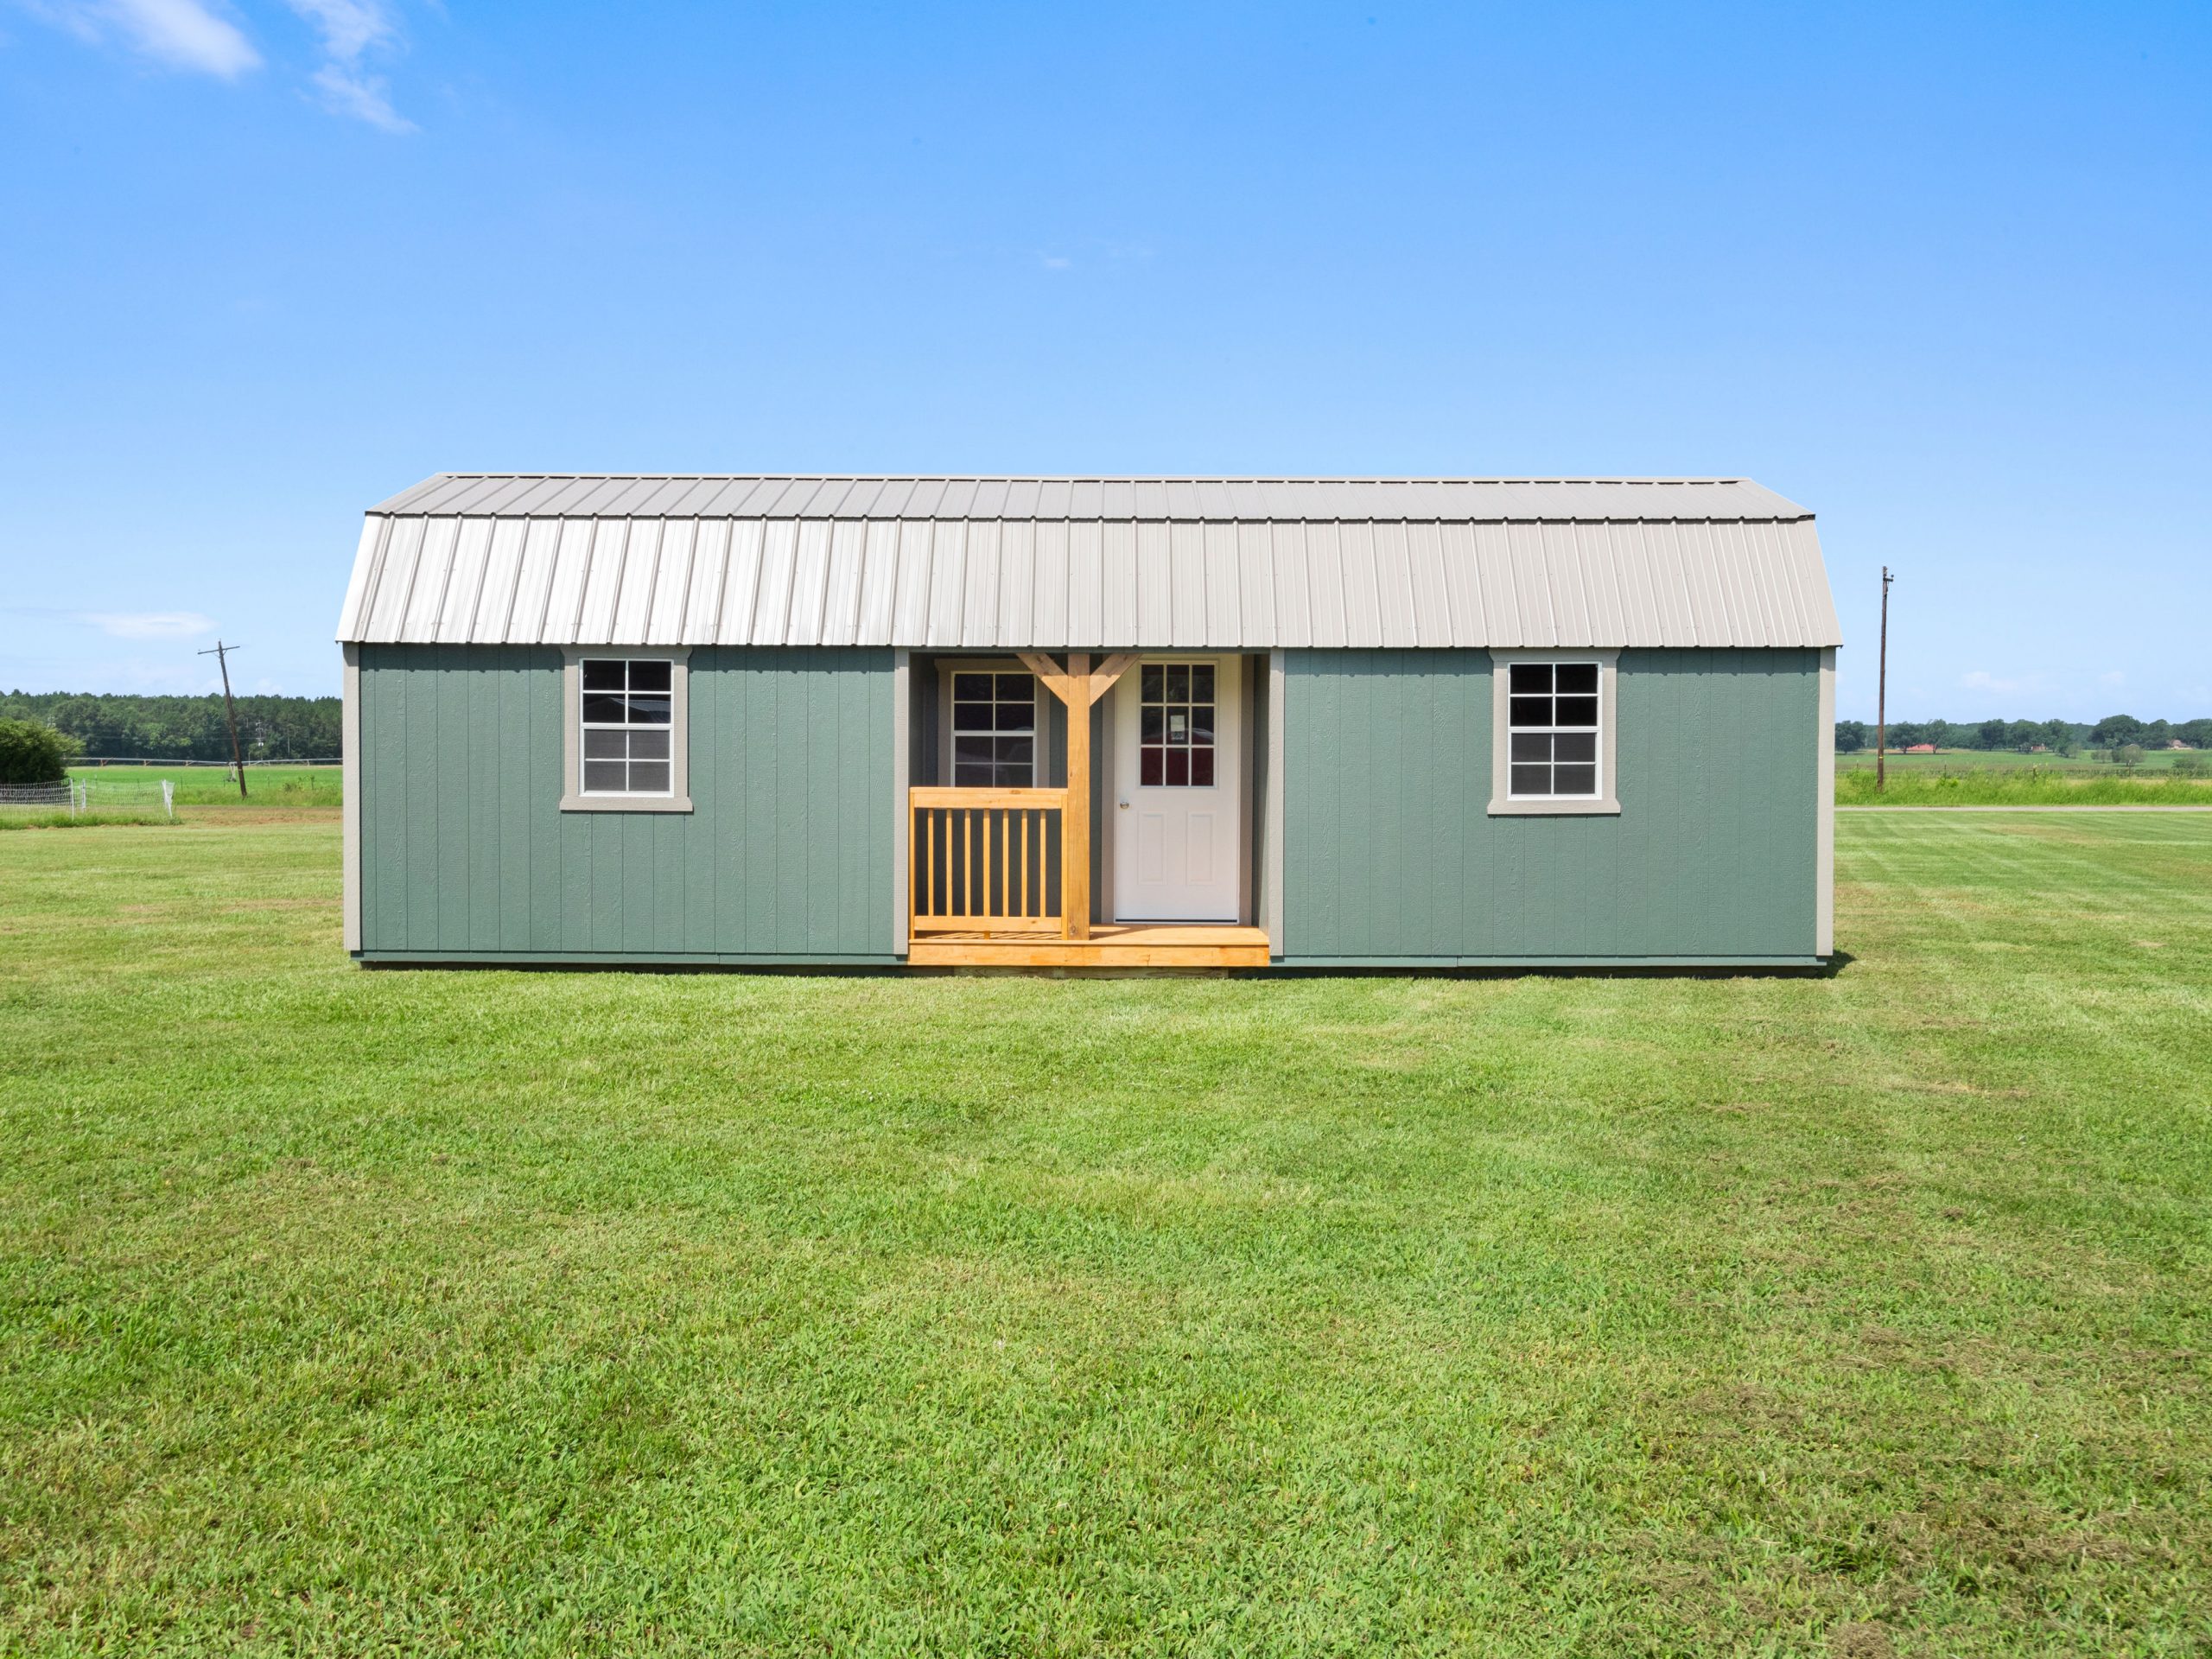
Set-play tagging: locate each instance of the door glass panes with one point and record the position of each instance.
(994, 731)
(628, 722)
(1552, 729)
(1175, 725)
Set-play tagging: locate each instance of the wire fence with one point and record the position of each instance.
(81, 796)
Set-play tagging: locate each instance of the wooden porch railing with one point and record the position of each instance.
(986, 861)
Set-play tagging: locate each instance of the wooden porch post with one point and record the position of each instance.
(1075, 822)
(1079, 688)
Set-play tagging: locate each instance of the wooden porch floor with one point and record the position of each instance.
(1111, 944)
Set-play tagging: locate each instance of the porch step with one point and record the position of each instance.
(1116, 944)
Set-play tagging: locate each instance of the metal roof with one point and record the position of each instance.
(1151, 563)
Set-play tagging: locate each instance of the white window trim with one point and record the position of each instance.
(1503, 802)
(573, 799)
(1040, 722)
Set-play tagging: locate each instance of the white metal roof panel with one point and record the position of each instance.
(1006, 564)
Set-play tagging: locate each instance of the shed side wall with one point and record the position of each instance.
(1390, 853)
(465, 853)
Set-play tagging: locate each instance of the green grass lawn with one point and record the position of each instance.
(442, 1313)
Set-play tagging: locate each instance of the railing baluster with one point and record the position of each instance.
(975, 861)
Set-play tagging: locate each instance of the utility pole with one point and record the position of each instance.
(221, 654)
(1881, 694)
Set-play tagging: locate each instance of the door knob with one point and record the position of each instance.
(1125, 806)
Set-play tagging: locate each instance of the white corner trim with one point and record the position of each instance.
(1606, 803)
(1271, 916)
(573, 799)
(1824, 833)
(349, 780)
(902, 714)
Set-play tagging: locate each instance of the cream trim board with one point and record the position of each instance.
(349, 779)
(1271, 913)
(1824, 833)
(902, 816)
(1607, 801)
(573, 799)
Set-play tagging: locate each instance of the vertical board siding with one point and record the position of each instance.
(1390, 851)
(465, 852)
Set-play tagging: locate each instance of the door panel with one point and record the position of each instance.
(1178, 732)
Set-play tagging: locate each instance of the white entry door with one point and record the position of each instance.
(1177, 805)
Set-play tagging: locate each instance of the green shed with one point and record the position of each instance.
(733, 721)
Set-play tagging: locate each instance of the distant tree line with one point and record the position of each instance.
(181, 728)
(2059, 736)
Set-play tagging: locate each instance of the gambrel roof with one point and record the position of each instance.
(1087, 563)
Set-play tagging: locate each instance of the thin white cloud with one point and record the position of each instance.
(186, 34)
(1055, 262)
(351, 30)
(362, 96)
(1982, 680)
(150, 624)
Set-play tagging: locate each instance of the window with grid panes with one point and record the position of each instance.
(994, 731)
(1552, 731)
(1176, 724)
(628, 714)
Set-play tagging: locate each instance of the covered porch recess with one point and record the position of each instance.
(999, 877)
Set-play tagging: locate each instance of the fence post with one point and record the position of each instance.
(168, 798)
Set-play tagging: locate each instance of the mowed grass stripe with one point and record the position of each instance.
(492, 1312)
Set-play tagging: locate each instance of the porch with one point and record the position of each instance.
(1021, 871)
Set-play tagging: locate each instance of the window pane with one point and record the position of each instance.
(1580, 678)
(647, 746)
(649, 776)
(602, 676)
(1178, 766)
(1531, 677)
(1013, 776)
(1017, 688)
(1529, 711)
(1579, 746)
(1532, 780)
(1179, 726)
(651, 677)
(1202, 766)
(1154, 679)
(971, 716)
(601, 775)
(972, 774)
(603, 711)
(1202, 682)
(1152, 719)
(652, 710)
(1017, 716)
(1201, 722)
(971, 748)
(1531, 746)
(1576, 711)
(1179, 683)
(1152, 767)
(605, 745)
(971, 688)
(1575, 780)
(1017, 752)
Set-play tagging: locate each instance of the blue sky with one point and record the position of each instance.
(1943, 274)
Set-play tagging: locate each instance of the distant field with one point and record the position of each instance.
(124, 785)
(2013, 760)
